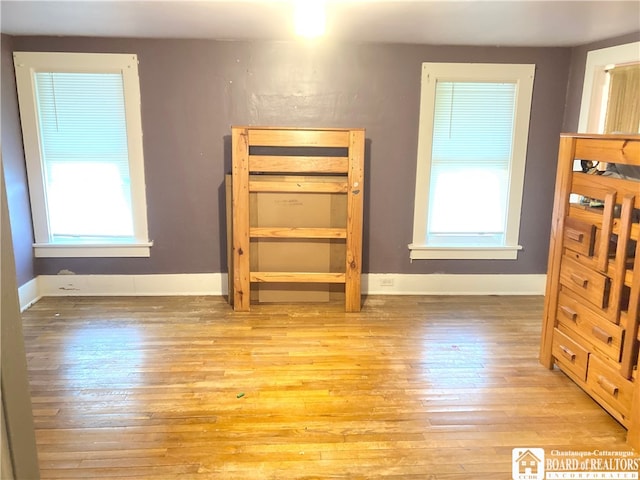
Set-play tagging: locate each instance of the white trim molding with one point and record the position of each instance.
(133, 285)
(29, 293)
(451, 284)
(426, 252)
(216, 284)
(594, 80)
(54, 250)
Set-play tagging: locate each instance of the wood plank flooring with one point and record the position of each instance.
(433, 388)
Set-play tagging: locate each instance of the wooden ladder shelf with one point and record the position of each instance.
(342, 174)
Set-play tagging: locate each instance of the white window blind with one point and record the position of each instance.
(83, 136)
(470, 160)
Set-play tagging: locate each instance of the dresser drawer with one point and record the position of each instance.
(606, 337)
(579, 236)
(569, 355)
(610, 386)
(587, 283)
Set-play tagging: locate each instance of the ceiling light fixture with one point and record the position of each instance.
(309, 18)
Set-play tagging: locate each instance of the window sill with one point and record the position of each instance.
(67, 250)
(425, 252)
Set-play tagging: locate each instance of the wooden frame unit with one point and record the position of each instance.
(341, 174)
(592, 303)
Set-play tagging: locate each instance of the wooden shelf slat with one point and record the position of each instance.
(609, 150)
(583, 184)
(594, 217)
(297, 277)
(633, 233)
(299, 187)
(298, 164)
(297, 232)
(586, 214)
(298, 138)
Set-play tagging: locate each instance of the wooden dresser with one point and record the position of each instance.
(590, 328)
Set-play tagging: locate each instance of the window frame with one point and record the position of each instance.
(28, 63)
(523, 76)
(593, 101)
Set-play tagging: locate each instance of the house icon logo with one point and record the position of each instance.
(528, 463)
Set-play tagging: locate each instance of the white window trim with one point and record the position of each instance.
(594, 82)
(523, 76)
(56, 250)
(26, 64)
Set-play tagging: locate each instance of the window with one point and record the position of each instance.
(472, 144)
(82, 134)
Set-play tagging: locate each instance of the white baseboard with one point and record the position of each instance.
(133, 285)
(29, 293)
(445, 284)
(216, 284)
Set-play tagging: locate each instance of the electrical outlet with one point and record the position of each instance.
(386, 282)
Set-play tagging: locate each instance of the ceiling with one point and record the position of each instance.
(435, 22)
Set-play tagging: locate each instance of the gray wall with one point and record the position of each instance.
(193, 91)
(14, 168)
(576, 76)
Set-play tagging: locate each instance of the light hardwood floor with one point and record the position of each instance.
(433, 388)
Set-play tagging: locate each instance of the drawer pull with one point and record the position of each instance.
(601, 335)
(569, 313)
(574, 235)
(578, 280)
(607, 386)
(568, 353)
